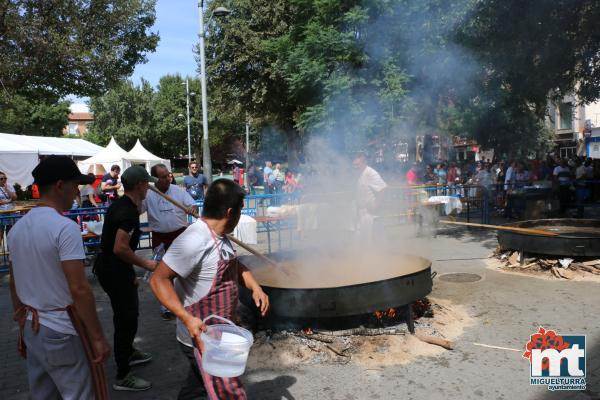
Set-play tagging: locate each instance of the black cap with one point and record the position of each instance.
(58, 168)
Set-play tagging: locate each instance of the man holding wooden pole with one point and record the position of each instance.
(199, 276)
(166, 220)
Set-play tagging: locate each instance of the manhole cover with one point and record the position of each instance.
(460, 277)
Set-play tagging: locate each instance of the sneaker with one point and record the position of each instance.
(132, 383)
(167, 316)
(139, 357)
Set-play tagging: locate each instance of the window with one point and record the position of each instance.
(566, 116)
(73, 128)
(568, 152)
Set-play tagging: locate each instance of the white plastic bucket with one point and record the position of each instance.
(226, 348)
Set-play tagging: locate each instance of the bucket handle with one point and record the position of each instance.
(224, 320)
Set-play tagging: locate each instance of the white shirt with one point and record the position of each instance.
(194, 257)
(369, 183)
(38, 243)
(508, 178)
(163, 216)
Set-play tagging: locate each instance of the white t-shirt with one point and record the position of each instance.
(38, 243)
(194, 257)
(369, 183)
(163, 216)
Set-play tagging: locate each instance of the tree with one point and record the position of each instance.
(61, 47)
(158, 118)
(20, 115)
(355, 70)
(125, 112)
(551, 49)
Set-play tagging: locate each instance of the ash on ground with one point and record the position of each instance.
(558, 268)
(370, 347)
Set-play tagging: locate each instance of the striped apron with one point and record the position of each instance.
(221, 300)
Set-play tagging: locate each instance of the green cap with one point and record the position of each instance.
(137, 174)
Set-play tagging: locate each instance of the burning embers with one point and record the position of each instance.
(373, 342)
(387, 315)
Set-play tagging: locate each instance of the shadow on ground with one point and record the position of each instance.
(487, 238)
(271, 389)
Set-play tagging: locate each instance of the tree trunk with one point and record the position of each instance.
(293, 147)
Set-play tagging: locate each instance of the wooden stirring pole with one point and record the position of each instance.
(527, 231)
(195, 215)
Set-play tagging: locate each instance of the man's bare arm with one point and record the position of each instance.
(122, 250)
(16, 302)
(105, 186)
(161, 284)
(85, 305)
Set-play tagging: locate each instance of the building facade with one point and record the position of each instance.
(79, 119)
(571, 122)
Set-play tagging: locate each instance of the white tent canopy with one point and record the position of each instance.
(19, 154)
(113, 154)
(140, 155)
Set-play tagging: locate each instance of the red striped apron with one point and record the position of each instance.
(221, 300)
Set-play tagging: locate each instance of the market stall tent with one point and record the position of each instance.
(142, 156)
(112, 154)
(19, 154)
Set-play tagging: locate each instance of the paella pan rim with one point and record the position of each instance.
(576, 237)
(535, 223)
(356, 285)
(417, 265)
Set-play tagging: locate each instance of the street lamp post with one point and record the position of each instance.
(206, 160)
(187, 94)
(247, 144)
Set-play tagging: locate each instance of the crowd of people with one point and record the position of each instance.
(573, 181)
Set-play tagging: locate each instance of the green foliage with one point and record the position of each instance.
(158, 117)
(124, 112)
(354, 70)
(20, 115)
(551, 48)
(61, 47)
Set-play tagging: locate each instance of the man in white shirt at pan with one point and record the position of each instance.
(369, 188)
(165, 219)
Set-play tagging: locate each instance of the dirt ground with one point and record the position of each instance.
(576, 275)
(449, 322)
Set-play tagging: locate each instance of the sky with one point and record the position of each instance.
(177, 25)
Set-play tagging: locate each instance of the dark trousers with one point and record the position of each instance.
(125, 304)
(194, 385)
(564, 197)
